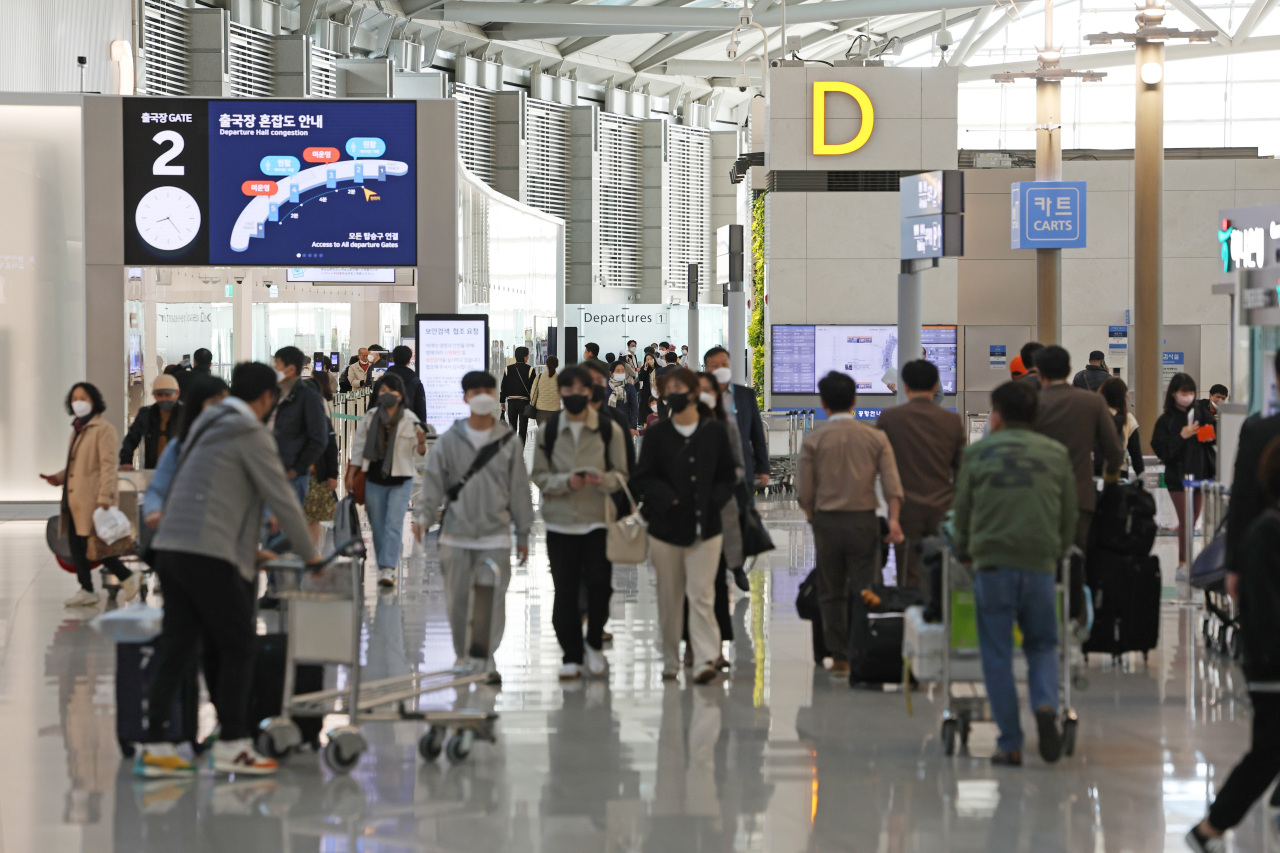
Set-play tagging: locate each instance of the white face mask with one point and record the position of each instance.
(483, 404)
(280, 377)
(653, 407)
(1185, 399)
(722, 375)
(708, 399)
(618, 378)
(81, 408)
(631, 350)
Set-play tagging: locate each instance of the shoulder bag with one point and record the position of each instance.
(626, 540)
(531, 408)
(482, 459)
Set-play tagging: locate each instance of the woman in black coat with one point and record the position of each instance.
(685, 476)
(644, 382)
(1185, 451)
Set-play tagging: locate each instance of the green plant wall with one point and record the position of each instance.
(755, 330)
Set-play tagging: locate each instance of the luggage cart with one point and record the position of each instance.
(323, 611)
(131, 488)
(784, 447)
(1220, 622)
(964, 695)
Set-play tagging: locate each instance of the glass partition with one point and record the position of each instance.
(510, 267)
(309, 326)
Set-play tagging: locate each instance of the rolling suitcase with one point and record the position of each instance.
(135, 670)
(266, 699)
(875, 633)
(1126, 603)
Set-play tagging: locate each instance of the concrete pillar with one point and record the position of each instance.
(724, 195)
(910, 316)
(653, 201)
(1048, 168)
(293, 66)
(1148, 249)
(364, 323)
(242, 315)
(511, 175)
(436, 275)
(584, 204)
(210, 53)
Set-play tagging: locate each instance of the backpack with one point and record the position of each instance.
(1125, 520)
(553, 432)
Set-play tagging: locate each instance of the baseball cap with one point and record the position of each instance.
(1016, 368)
(1097, 355)
(164, 382)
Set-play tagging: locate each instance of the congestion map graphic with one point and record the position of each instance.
(308, 183)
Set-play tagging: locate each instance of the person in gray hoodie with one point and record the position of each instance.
(580, 460)
(207, 559)
(477, 487)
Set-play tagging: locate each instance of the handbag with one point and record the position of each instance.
(755, 538)
(357, 487)
(531, 410)
(627, 539)
(97, 550)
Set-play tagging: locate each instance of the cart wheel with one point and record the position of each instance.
(127, 749)
(279, 737)
(459, 746)
(949, 737)
(431, 744)
(342, 753)
(1069, 735)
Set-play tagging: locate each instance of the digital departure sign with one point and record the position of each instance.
(270, 183)
(801, 355)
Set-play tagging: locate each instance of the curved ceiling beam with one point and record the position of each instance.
(486, 12)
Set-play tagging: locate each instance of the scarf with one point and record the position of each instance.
(619, 395)
(376, 445)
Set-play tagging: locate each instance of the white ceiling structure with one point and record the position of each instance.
(677, 48)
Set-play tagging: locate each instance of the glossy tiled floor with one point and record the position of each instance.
(778, 758)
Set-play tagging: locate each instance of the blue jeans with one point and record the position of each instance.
(387, 506)
(301, 484)
(1003, 595)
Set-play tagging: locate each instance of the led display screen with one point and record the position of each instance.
(801, 355)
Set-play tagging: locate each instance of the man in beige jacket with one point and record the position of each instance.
(836, 488)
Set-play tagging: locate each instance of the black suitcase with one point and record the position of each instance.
(266, 698)
(875, 634)
(135, 670)
(1126, 603)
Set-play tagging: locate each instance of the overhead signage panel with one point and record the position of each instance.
(1048, 215)
(270, 183)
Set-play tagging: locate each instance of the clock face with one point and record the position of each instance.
(168, 218)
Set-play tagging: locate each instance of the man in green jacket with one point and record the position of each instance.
(1015, 518)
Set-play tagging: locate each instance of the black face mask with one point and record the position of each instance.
(574, 404)
(678, 402)
(599, 394)
(387, 401)
(166, 405)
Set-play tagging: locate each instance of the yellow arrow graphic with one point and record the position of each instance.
(370, 195)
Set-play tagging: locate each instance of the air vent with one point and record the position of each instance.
(477, 136)
(252, 62)
(688, 206)
(621, 213)
(835, 182)
(166, 35)
(548, 159)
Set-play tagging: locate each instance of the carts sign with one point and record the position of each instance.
(820, 91)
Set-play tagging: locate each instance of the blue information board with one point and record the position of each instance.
(312, 183)
(1048, 215)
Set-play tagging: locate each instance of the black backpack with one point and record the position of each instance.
(553, 432)
(1125, 520)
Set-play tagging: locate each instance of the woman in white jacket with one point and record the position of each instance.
(389, 447)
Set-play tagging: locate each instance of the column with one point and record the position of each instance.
(210, 59)
(242, 284)
(1048, 168)
(653, 201)
(293, 66)
(511, 174)
(584, 204)
(1148, 250)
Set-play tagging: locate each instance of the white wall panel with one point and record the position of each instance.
(40, 40)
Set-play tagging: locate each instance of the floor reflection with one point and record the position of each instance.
(776, 758)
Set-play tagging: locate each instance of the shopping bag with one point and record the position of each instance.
(627, 540)
(135, 623)
(110, 524)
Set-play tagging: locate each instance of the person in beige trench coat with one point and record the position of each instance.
(88, 483)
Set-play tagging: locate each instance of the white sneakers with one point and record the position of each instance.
(239, 756)
(596, 664)
(386, 577)
(570, 672)
(82, 598)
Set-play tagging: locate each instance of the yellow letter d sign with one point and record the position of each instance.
(820, 145)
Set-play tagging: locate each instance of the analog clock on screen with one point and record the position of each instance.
(168, 218)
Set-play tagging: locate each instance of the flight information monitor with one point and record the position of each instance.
(801, 355)
(270, 183)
